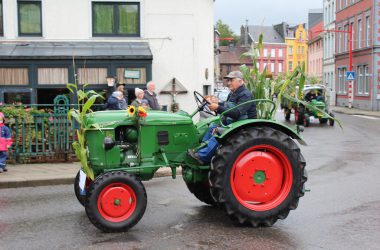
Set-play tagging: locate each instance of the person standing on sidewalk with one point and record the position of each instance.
(5, 143)
(151, 96)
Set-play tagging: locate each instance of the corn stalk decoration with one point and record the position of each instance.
(85, 100)
(287, 88)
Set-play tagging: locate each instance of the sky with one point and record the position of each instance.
(263, 12)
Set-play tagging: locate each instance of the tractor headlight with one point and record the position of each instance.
(108, 143)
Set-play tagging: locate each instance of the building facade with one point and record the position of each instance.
(362, 18)
(296, 42)
(315, 44)
(46, 44)
(273, 55)
(329, 7)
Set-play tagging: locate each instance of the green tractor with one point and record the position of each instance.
(257, 174)
(315, 96)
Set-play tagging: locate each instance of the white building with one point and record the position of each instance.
(148, 39)
(329, 48)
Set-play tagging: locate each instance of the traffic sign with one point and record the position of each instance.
(350, 75)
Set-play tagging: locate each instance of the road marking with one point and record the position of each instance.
(367, 117)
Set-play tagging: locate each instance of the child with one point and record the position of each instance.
(5, 143)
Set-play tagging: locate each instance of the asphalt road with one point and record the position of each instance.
(342, 210)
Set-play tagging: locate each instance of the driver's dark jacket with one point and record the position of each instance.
(240, 95)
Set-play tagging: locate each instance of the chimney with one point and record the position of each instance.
(246, 32)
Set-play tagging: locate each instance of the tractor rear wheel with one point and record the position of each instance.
(258, 176)
(331, 121)
(201, 191)
(116, 201)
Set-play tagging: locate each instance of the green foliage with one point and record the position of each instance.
(85, 101)
(226, 32)
(20, 114)
(287, 88)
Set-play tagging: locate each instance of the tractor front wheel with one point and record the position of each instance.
(201, 191)
(80, 196)
(116, 201)
(258, 176)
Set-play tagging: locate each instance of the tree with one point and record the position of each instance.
(226, 32)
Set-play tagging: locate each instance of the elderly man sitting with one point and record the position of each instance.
(239, 94)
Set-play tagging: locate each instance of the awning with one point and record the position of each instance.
(78, 50)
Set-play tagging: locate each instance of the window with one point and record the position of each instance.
(272, 67)
(290, 50)
(273, 53)
(299, 50)
(342, 81)
(280, 67)
(290, 66)
(14, 76)
(257, 65)
(359, 34)
(92, 75)
(345, 36)
(360, 80)
(265, 65)
(265, 52)
(338, 40)
(303, 50)
(1, 18)
(367, 31)
(29, 18)
(115, 19)
(280, 53)
(367, 80)
(52, 75)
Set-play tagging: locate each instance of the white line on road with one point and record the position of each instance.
(367, 117)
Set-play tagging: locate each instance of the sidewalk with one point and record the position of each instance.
(44, 174)
(354, 111)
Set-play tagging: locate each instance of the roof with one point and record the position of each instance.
(233, 55)
(270, 35)
(80, 50)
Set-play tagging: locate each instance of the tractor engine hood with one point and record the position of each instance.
(112, 119)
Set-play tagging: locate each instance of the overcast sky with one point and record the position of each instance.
(263, 12)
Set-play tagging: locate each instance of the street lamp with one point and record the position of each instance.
(350, 46)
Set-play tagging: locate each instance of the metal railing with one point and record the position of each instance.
(43, 136)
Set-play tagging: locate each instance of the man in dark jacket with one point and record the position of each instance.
(151, 96)
(117, 101)
(239, 94)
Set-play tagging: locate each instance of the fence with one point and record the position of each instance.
(43, 137)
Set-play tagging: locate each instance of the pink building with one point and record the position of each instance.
(273, 55)
(315, 44)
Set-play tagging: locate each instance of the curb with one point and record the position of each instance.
(65, 180)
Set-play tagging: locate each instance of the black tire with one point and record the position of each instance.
(81, 198)
(131, 201)
(306, 120)
(323, 120)
(331, 121)
(224, 176)
(287, 114)
(201, 190)
(301, 116)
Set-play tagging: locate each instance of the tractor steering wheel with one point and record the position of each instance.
(202, 102)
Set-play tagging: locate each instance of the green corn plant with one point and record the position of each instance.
(287, 88)
(85, 100)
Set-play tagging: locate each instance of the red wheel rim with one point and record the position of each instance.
(261, 178)
(117, 202)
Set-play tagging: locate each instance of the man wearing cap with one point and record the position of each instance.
(117, 101)
(239, 94)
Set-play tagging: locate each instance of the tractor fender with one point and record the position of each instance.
(229, 130)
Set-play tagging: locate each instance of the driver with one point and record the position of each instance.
(239, 94)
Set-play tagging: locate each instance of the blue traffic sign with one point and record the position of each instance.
(350, 75)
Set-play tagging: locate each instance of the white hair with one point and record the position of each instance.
(138, 91)
(149, 84)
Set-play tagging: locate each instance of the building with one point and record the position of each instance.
(230, 59)
(273, 55)
(46, 44)
(315, 44)
(329, 48)
(296, 42)
(362, 17)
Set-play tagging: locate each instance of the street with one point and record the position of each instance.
(341, 211)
